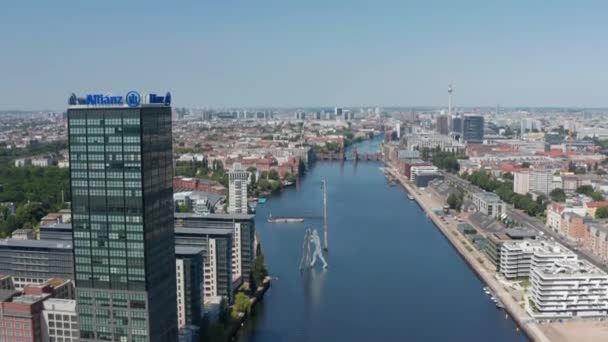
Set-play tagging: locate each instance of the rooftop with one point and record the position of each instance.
(28, 299)
(7, 294)
(214, 216)
(571, 267)
(521, 233)
(203, 231)
(57, 304)
(48, 244)
(63, 226)
(487, 196)
(188, 250)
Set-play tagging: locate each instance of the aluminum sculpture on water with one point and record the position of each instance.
(311, 250)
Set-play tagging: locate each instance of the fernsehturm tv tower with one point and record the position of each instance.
(450, 100)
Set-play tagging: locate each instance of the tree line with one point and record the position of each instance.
(504, 189)
(35, 191)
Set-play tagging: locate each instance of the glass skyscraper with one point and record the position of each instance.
(121, 173)
(472, 129)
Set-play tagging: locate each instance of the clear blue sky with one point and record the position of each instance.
(306, 53)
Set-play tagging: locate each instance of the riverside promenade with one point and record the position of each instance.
(427, 202)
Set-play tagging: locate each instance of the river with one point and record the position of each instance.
(392, 276)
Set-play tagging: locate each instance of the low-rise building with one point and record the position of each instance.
(591, 207)
(36, 261)
(56, 231)
(59, 320)
(575, 227)
(598, 240)
(489, 204)
(23, 234)
(20, 316)
(416, 170)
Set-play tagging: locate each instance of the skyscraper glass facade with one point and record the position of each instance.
(122, 217)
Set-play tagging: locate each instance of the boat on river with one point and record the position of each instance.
(284, 219)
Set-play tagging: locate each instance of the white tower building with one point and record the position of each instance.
(237, 190)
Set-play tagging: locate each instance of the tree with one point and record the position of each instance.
(525, 165)
(508, 176)
(558, 195)
(259, 272)
(424, 154)
(454, 201)
(183, 208)
(242, 303)
(273, 174)
(601, 213)
(585, 190)
(290, 177)
(597, 196)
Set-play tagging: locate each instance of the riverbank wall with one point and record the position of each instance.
(523, 321)
(257, 298)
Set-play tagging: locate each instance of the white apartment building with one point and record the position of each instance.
(489, 204)
(237, 190)
(541, 181)
(521, 182)
(530, 124)
(416, 170)
(518, 257)
(59, 321)
(569, 288)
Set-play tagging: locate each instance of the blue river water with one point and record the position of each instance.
(392, 276)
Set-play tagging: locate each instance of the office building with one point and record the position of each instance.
(237, 190)
(569, 288)
(442, 124)
(228, 247)
(456, 125)
(472, 129)
(338, 113)
(36, 261)
(217, 254)
(190, 294)
(59, 321)
(56, 231)
(121, 172)
(488, 203)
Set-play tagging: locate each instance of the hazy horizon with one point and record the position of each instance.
(238, 54)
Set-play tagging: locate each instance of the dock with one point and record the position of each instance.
(286, 220)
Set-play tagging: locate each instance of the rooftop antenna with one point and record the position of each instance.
(450, 99)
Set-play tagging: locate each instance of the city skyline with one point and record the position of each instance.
(368, 54)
